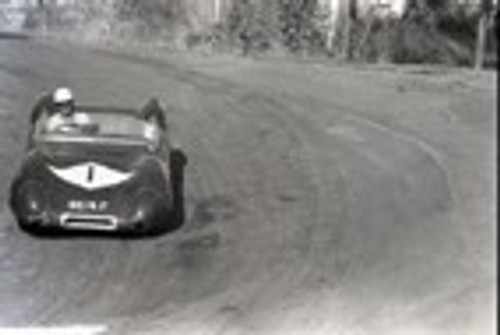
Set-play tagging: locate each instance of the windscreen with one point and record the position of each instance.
(97, 128)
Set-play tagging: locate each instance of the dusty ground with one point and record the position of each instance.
(321, 200)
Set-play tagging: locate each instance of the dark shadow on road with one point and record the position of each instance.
(10, 35)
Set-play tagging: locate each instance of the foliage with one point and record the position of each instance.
(294, 25)
(425, 34)
(300, 25)
(437, 31)
(246, 29)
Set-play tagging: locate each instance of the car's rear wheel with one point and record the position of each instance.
(31, 228)
(178, 162)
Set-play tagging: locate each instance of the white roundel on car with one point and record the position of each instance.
(91, 176)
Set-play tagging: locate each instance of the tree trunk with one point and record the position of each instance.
(218, 10)
(480, 43)
(350, 17)
(332, 12)
(486, 8)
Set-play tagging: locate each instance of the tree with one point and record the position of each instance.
(350, 19)
(299, 22)
(486, 9)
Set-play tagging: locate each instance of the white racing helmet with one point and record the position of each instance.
(62, 96)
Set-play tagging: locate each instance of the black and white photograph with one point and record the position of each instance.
(248, 167)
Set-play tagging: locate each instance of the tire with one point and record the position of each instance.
(178, 162)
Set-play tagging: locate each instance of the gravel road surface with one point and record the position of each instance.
(319, 200)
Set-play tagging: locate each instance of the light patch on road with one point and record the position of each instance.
(346, 131)
(69, 330)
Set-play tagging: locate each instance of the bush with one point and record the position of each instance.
(246, 29)
(430, 32)
(300, 26)
(422, 36)
(154, 17)
(260, 26)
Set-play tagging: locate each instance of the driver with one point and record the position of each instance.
(152, 114)
(64, 117)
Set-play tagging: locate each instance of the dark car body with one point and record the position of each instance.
(95, 182)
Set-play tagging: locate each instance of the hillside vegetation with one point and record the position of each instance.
(430, 31)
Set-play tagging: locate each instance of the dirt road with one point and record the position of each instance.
(319, 199)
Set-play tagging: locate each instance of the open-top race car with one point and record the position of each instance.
(116, 172)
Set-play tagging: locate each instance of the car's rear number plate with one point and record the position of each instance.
(88, 205)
